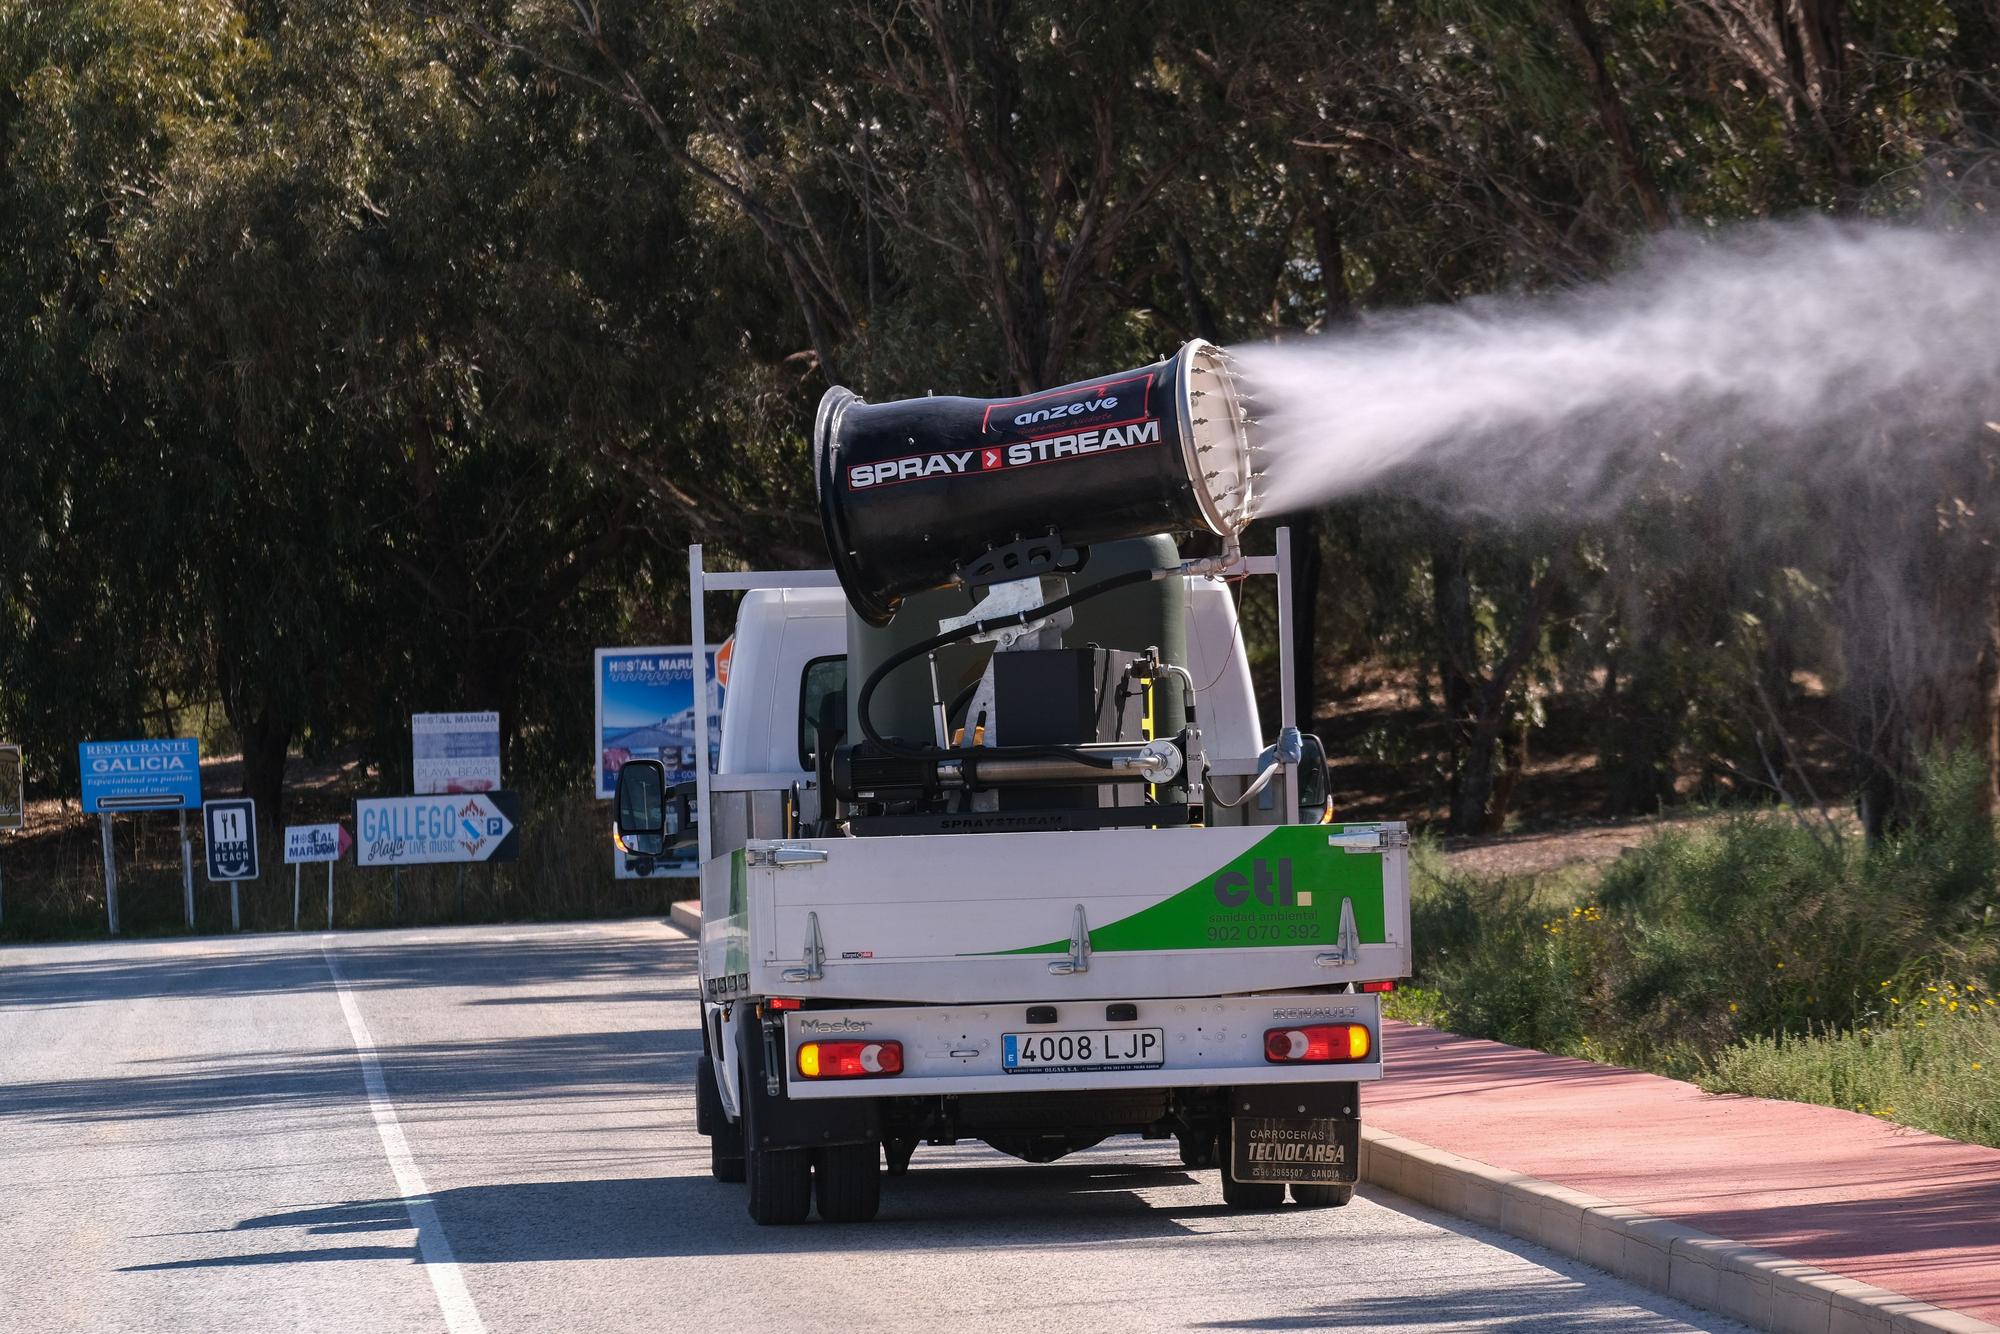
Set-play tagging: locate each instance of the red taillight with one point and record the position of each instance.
(782, 1003)
(850, 1060)
(1321, 1044)
(1378, 986)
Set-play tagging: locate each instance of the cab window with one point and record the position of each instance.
(824, 680)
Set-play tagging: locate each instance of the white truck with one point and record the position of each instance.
(1003, 882)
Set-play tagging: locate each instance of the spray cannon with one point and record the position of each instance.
(1008, 499)
(929, 492)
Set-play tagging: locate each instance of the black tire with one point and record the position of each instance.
(847, 1183)
(1251, 1194)
(723, 1166)
(1196, 1153)
(725, 1137)
(1244, 1194)
(1321, 1196)
(780, 1185)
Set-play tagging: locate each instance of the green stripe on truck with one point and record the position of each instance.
(1286, 889)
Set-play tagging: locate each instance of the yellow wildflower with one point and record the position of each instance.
(1732, 1007)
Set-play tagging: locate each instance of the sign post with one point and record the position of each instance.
(187, 871)
(110, 873)
(232, 849)
(13, 804)
(462, 827)
(314, 843)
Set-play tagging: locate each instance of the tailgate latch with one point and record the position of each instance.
(1079, 948)
(1369, 840)
(784, 856)
(814, 954)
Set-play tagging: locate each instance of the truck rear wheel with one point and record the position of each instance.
(1251, 1194)
(1244, 1194)
(1321, 1197)
(721, 1165)
(780, 1185)
(725, 1137)
(847, 1183)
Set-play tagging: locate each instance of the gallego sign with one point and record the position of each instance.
(163, 775)
(462, 827)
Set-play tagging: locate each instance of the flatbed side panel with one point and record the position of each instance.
(725, 927)
(1144, 912)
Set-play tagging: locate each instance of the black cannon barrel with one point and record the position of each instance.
(913, 490)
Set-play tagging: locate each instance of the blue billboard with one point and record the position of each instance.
(645, 711)
(162, 775)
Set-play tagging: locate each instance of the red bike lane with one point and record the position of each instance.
(1894, 1207)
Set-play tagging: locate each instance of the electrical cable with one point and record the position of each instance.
(1248, 792)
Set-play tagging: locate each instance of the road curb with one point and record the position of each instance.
(1764, 1290)
(686, 915)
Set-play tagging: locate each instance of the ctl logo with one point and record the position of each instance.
(1271, 882)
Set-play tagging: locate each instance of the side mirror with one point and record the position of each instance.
(1314, 785)
(642, 808)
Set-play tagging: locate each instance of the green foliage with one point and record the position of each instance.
(364, 358)
(1757, 930)
(1932, 1062)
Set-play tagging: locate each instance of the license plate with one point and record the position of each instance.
(1083, 1049)
(1312, 1149)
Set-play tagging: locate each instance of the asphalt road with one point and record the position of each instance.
(493, 1129)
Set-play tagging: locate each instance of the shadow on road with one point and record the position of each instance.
(193, 970)
(1545, 1306)
(646, 1062)
(1057, 1207)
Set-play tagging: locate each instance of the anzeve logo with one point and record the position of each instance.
(1067, 410)
(1269, 882)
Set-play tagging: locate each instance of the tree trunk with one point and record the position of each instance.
(1201, 314)
(265, 742)
(1611, 115)
(1308, 561)
(1975, 54)
(1923, 657)
(1472, 752)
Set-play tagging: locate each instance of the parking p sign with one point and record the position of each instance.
(232, 839)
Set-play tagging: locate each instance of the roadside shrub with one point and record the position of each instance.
(1767, 927)
(1758, 928)
(1932, 1062)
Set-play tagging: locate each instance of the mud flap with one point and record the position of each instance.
(773, 1121)
(1304, 1133)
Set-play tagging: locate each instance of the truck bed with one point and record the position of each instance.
(978, 918)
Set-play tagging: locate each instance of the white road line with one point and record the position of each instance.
(461, 1316)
